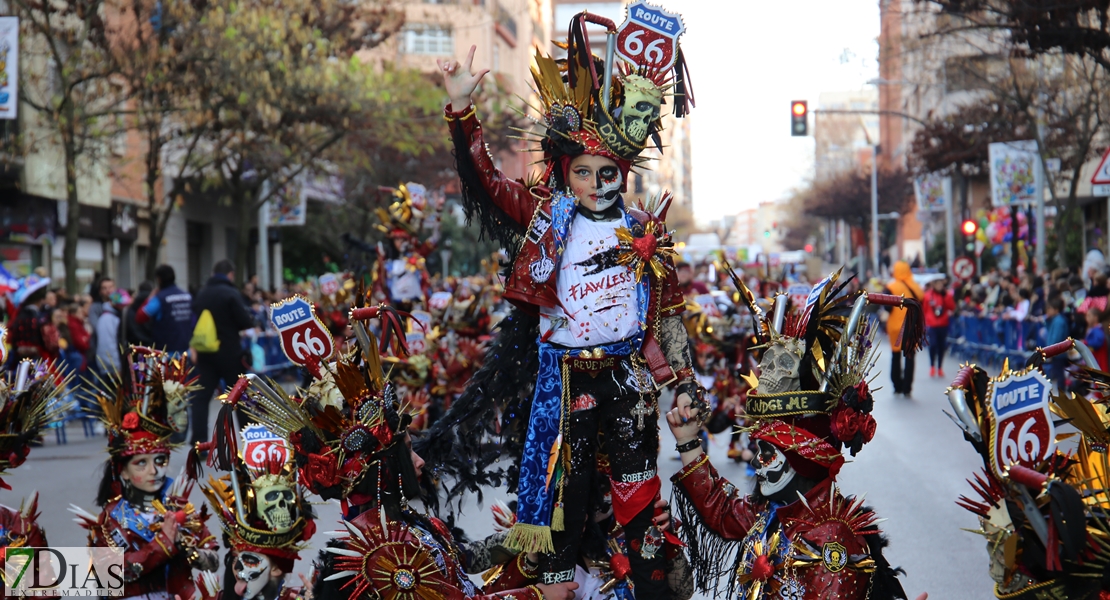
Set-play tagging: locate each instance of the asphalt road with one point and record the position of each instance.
(912, 473)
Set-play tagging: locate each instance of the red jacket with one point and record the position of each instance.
(826, 555)
(531, 209)
(934, 303)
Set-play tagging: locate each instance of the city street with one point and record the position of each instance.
(912, 473)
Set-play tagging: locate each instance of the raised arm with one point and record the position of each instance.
(476, 169)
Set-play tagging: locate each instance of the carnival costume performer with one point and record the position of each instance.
(401, 275)
(144, 512)
(599, 275)
(261, 508)
(1042, 510)
(28, 403)
(349, 438)
(796, 536)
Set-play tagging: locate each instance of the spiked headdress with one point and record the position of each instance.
(347, 419)
(813, 393)
(259, 503)
(609, 107)
(29, 401)
(143, 405)
(405, 216)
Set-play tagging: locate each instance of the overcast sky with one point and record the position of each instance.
(748, 61)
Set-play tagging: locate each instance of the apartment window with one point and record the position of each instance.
(968, 73)
(426, 39)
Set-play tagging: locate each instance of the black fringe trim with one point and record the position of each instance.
(487, 421)
(477, 204)
(884, 582)
(713, 558)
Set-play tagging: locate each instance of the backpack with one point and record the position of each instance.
(205, 340)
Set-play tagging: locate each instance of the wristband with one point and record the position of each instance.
(688, 446)
(688, 387)
(685, 373)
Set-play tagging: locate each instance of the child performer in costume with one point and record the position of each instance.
(144, 511)
(401, 275)
(796, 536)
(350, 442)
(599, 275)
(262, 512)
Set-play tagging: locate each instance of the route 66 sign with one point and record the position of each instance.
(649, 36)
(262, 447)
(302, 334)
(1022, 431)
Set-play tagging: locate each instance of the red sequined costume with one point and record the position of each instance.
(804, 539)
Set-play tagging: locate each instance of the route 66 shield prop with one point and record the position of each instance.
(649, 36)
(302, 334)
(262, 447)
(1022, 430)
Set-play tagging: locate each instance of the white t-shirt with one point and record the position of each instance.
(404, 284)
(597, 296)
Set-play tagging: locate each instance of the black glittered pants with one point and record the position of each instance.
(606, 404)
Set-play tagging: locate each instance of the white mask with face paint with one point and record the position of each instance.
(609, 181)
(772, 469)
(252, 573)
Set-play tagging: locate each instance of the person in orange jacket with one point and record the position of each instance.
(903, 284)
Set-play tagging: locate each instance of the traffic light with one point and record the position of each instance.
(969, 227)
(799, 118)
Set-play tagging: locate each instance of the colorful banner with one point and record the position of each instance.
(9, 67)
(290, 206)
(1014, 172)
(929, 191)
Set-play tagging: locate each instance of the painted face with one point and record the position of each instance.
(640, 108)
(595, 180)
(772, 469)
(417, 462)
(147, 472)
(252, 573)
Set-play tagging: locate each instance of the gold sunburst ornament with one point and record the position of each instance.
(648, 250)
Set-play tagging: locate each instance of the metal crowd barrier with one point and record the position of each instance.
(990, 340)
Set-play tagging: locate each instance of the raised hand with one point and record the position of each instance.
(460, 80)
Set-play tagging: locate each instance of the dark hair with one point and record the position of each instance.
(146, 287)
(1056, 303)
(682, 265)
(1024, 293)
(224, 267)
(109, 486)
(165, 275)
(1075, 282)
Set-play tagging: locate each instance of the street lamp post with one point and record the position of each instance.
(875, 209)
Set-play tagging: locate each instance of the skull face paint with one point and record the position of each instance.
(640, 107)
(772, 469)
(609, 182)
(252, 573)
(276, 503)
(778, 370)
(147, 472)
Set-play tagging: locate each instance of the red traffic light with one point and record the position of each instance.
(809, 247)
(970, 227)
(799, 118)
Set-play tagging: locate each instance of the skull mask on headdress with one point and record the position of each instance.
(640, 107)
(778, 371)
(276, 504)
